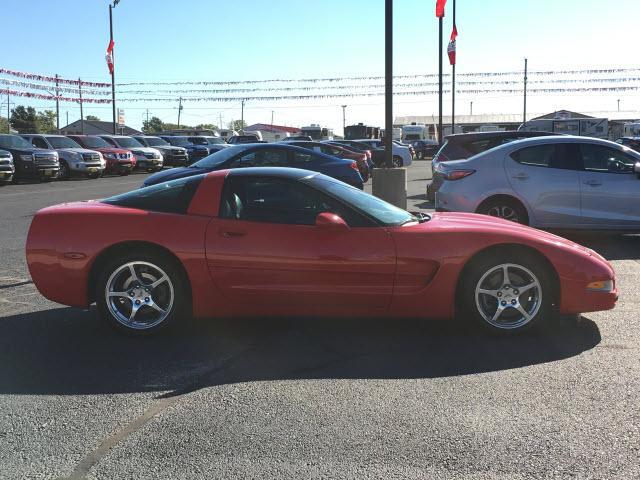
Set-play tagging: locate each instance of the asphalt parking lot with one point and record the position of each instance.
(314, 398)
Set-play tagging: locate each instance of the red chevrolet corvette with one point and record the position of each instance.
(274, 241)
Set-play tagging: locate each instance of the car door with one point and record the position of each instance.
(610, 188)
(546, 178)
(266, 251)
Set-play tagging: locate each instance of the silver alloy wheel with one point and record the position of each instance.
(504, 211)
(508, 296)
(64, 171)
(139, 295)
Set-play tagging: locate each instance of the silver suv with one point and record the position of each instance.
(74, 160)
(6, 167)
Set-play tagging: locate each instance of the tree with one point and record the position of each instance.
(237, 125)
(24, 120)
(46, 122)
(4, 125)
(92, 117)
(154, 124)
(207, 126)
(174, 126)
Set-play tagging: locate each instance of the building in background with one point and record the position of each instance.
(272, 133)
(96, 127)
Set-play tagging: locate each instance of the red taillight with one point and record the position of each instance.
(456, 174)
(354, 165)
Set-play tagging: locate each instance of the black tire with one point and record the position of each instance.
(149, 266)
(397, 161)
(486, 272)
(124, 173)
(506, 208)
(65, 171)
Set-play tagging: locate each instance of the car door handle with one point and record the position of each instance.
(593, 183)
(521, 176)
(232, 233)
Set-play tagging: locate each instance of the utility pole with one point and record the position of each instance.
(221, 126)
(113, 70)
(440, 78)
(67, 117)
(272, 118)
(388, 87)
(471, 108)
(453, 81)
(344, 118)
(524, 113)
(57, 105)
(179, 110)
(147, 116)
(8, 114)
(618, 104)
(242, 118)
(81, 110)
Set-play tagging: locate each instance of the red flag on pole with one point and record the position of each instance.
(451, 48)
(440, 8)
(109, 57)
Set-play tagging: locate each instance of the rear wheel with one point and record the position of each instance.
(141, 293)
(506, 209)
(507, 293)
(397, 161)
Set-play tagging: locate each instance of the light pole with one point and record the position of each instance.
(524, 113)
(388, 88)
(344, 118)
(179, 111)
(113, 61)
(242, 118)
(471, 108)
(618, 104)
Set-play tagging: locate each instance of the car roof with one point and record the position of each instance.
(554, 139)
(496, 134)
(278, 172)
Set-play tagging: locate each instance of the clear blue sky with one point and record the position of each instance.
(257, 39)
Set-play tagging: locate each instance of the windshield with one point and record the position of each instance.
(127, 142)
(13, 141)
(94, 142)
(315, 134)
(198, 140)
(178, 141)
(156, 142)
(62, 142)
(411, 136)
(215, 140)
(220, 157)
(382, 211)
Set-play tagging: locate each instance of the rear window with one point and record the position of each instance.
(169, 197)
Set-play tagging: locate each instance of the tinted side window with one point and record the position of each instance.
(39, 143)
(478, 146)
(598, 158)
(263, 158)
(302, 157)
(170, 197)
(275, 200)
(539, 155)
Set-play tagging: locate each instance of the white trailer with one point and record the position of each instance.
(414, 132)
(631, 129)
(317, 133)
(585, 127)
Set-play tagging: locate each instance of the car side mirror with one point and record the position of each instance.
(331, 221)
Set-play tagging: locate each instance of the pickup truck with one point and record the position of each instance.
(30, 162)
(6, 167)
(74, 160)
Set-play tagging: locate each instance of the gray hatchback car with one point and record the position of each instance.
(555, 182)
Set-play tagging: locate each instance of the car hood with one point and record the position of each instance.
(111, 150)
(144, 150)
(169, 148)
(488, 224)
(76, 150)
(172, 174)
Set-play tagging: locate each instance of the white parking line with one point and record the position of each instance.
(82, 187)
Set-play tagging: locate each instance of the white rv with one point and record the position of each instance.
(414, 132)
(585, 127)
(227, 134)
(631, 129)
(317, 133)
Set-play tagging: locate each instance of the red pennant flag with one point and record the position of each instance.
(451, 48)
(440, 8)
(109, 57)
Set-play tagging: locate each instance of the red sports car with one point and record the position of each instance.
(276, 241)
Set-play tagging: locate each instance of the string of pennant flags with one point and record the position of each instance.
(329, 87)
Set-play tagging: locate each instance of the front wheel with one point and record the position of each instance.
(65, 171)
(140, 293)
(507, 293)
(397, 161)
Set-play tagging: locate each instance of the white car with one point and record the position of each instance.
(560, 182)
(147, 158)
(401, 153)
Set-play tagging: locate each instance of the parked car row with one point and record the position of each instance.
(47, 157)
(552, 182)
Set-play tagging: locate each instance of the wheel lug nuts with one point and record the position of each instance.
(513, 302)
(137, 302)
(499, 294)
(131, 294)
(515, 292)
(503, 303)
(146, 299)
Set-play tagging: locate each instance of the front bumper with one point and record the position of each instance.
(86, 169)
(145, 163)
